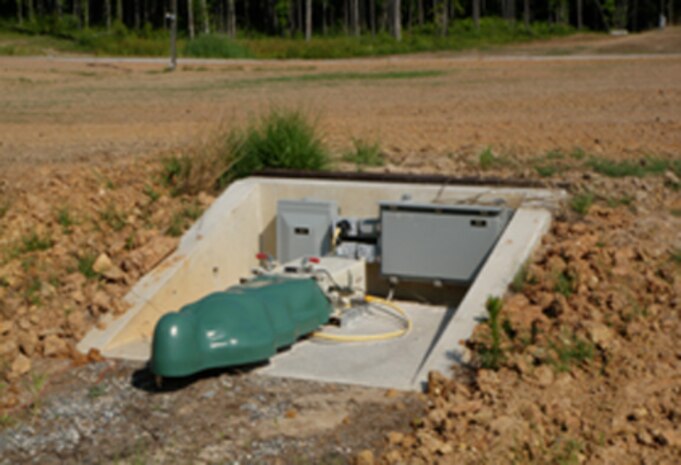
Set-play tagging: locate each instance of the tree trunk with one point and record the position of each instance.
(136, 6)
(204, 17)
(421, 15)
(30, 10)
(510, 10)
(580, 15)
(670, 10)
(20, 12)
(476, 13)
(231, 19)
(119, 11)
(190, 18)
(355, 17)
(445, 18)
(86, 14)
(372, 16)
(308, 20)
(57, 8)
(173, 35)
(526, 13)
(107, 14)
(397, 20)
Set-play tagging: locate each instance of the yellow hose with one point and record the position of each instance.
(371, 337)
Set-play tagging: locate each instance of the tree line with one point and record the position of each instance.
(306, 18)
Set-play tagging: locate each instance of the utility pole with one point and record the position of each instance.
(172, 16)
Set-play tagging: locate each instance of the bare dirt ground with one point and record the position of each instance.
(591, 371)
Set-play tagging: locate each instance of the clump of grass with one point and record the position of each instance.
(364, 153)
(520, 279)
(569, 351)
(32, 291)
(487, 159)
(85, 263)
(284, 139)
(112, 217)
(33, 242)
(216, 46)
(546, 171)
(181, 220)
(65, 220)
(578, 153)
(151, 193)
(581, 203)
(564, 284)
(635, 168)
(96, 391)
(492, 355)
(676, 256)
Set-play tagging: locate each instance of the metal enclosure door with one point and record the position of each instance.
(304, 228)
(425, 242)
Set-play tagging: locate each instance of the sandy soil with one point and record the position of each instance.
(62, 111)
(591, 372)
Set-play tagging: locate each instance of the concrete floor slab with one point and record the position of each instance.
(393, 363)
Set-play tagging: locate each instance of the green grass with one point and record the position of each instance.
(65, 220)
(364, 153)
(636, 168)
(182, 219)
(353, 76)
(569, 351)
(676, 256)
(85, 263)
(488, 160)
(581, 203)
(113, 217)
(285, 139)
(216, 46)
(492, 355)
(564, 284)
(33, 242)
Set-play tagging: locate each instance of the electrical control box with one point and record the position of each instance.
(447, 243)
(304, 228)
(358, 238)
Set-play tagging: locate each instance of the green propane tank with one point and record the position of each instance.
(244, 324)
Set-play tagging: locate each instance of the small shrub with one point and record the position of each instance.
(492, 355)
(364, 153)
(581, 203)
(283, 139)
(33, 242)
(578, 154)
(547, 171)
(216, 46)
(487, 159)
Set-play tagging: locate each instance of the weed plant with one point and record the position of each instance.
(492, 355)
(364, 153)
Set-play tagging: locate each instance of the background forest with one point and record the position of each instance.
(313, 28)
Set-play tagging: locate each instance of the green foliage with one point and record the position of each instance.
(639, 168)
(85, 263)
(352, 76)
(32, 291)
(216, 46)
(174, 170)
(569, 351)
(151, 193)
(676, 256)
(182, 219)
(581, 203)
(47, 34)
(520, 279)
(564, 284)
(112, 217)
(283, 139)
(33, 242)
(488, 160)
(65, 220)
(492, 355)
(364, 153)
(96, 391)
